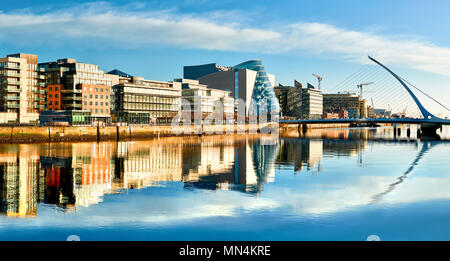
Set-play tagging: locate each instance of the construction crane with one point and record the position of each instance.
(319, 79)
(360, 87)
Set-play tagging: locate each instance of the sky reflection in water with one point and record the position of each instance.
(343, 184)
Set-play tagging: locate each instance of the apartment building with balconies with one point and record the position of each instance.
(22, 89)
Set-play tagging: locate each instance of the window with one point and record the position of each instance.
(50, 96)
(56, 96)
(50, 89)
(90, 96)
(101, 89)
(56, 89)
(56, 102)
(106, 97)
(96, 96)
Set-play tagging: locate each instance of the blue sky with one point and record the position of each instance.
(294, 39)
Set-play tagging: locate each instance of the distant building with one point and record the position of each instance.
(382, 113)
(355, 107)
(22, 89)
(371, 112)
(208, 98)
(248, 81)
(141, 101)
(343, 114)
(330, 115)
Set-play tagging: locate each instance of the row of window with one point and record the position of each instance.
(149, 99)
(96, 96)
(99, 110)
(96, 89)
(147, 106)
(96, 103)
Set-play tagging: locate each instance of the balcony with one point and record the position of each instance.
(41, 84)
(9, 89)
(42, 91)
(14, 67)
(11, 82)
(13, 105)
(11, 74)
(13, 98)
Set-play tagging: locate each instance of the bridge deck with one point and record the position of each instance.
(369, 120)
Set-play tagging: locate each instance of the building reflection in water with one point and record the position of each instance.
(19, 182)
(80, 174)
(305, 150)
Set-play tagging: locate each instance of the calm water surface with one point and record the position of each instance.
(341, 184)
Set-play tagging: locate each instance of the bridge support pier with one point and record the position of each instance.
(429, 129)
(304, 127)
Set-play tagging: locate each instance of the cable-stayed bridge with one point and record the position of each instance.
(402, 99)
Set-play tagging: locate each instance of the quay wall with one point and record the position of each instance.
(22, 134)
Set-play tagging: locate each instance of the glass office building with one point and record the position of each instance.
(263, 92)
(247, 81)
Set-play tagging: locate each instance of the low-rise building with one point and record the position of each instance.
(65, 118)
(330, 115)
(333, 102)
(140, 101)
(204, 100)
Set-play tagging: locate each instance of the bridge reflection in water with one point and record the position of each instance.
(68, 176)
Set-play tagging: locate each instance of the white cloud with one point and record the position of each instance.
(128, 27)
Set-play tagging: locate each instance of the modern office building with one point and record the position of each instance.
(204, 100)
(312, 103)
(333, 102)
(282, 92)
(140, 101)
(304, 103)
(22, 89)
(294, 100)
(248, 81)
(75, 86)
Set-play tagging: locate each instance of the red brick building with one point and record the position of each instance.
(54, 97)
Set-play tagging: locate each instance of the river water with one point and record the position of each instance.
(337, 184)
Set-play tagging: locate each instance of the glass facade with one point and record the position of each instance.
(262, 90)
